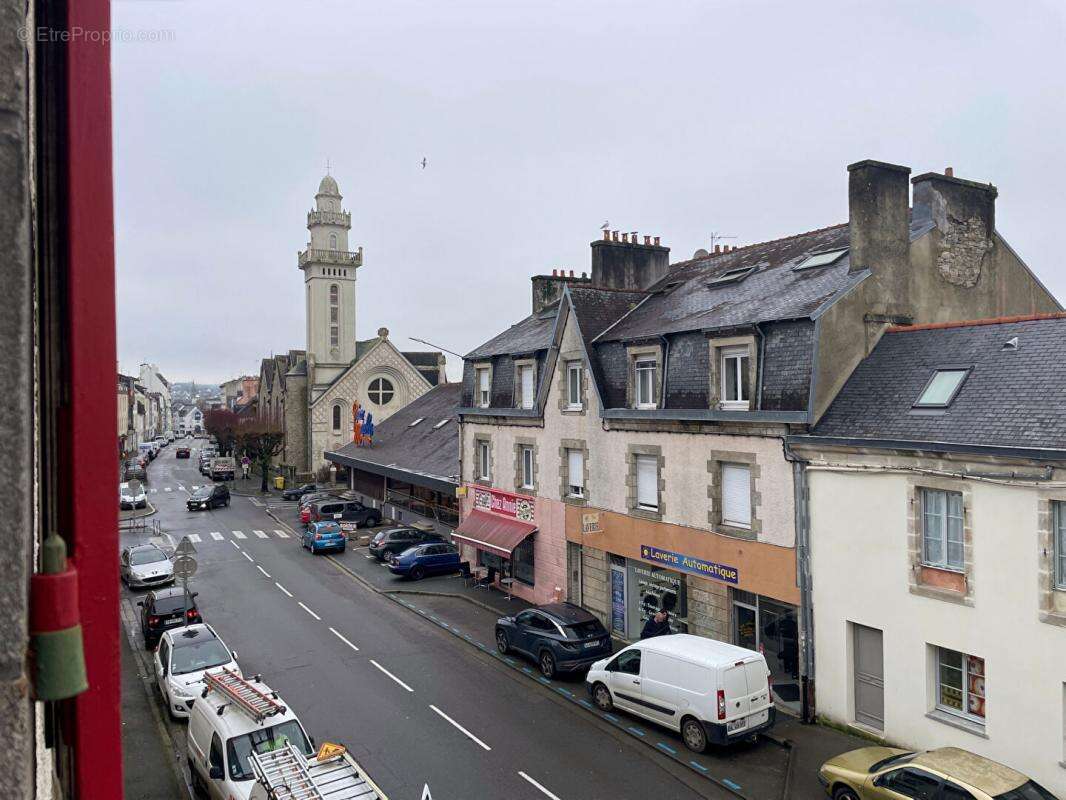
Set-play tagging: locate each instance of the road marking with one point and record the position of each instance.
(667, 748)
(281, 534)
(216, 536)
(194, 538)
(256, 502)
(309, 611)
(235, 544)
(239, 535)
(155, 491)
(698, 765)
(181, 488)
(637, 731)
(247, 556)
(546, 792)
(461, 728)
(341, 637)
(261, 534)
(167, 489)
(404, 685)
(731, 784)
(283, 588)
(262, 570)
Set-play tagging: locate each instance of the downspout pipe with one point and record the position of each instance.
(804, 582)
(758, 375)
(666, 366)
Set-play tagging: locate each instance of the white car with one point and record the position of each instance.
(182, 658)
(131, 495)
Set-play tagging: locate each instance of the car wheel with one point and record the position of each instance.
(417, 573)
(601, 696)
(693, 734)
(844, 793)
(547, 665)
(502, 645)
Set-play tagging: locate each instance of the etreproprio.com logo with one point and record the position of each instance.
(95, 35)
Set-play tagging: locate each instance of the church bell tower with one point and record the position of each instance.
(329, 277)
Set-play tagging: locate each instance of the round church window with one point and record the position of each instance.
(380, 391)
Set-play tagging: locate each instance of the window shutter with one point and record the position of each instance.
(736, 495)
(527, 387)
(576, 467)
(647, 481)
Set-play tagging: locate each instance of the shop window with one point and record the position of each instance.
(573, 386)
(942, 537)
(734, 367)
(482, 377)
(527, 467)
(575, 460)
(645, 383)
(647, 482)
(960, 684)
(736, 495)
(522, 562)
(1058, 513)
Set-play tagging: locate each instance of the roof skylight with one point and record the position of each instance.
(731, 276)
(823, 259)
(941, 388)
(441, 424)
(416, 422)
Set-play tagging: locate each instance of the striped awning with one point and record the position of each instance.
(494, 534)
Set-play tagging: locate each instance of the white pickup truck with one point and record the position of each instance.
(223, 468)
(329, 774)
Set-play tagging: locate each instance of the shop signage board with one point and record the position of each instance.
(618, 601)
(696, 566)
(590, 523)
(504, 504)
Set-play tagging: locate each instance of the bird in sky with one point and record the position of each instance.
(423, 162)
(606, 224)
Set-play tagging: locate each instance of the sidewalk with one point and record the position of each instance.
(251, 486)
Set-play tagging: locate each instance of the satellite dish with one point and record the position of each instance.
(700, 253)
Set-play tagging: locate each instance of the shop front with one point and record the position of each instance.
(627, 569)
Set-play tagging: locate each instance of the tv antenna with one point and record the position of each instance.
(717, 237)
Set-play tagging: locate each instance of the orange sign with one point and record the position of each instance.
(329, 750)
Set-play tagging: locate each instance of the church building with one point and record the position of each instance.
(310, 392)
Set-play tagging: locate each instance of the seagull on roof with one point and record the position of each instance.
(606, 224)
(423, 162)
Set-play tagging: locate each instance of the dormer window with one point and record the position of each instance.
(942, 388)
(481, 378)
(735, 379)
(645, 383)
(526, 386)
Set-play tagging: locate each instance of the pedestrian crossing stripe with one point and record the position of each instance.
(216, 536)
(282, 534)
(239, 535)
(167, 489)
(194, 537)
(181, 488)
(261, 534)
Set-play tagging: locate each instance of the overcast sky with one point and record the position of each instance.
(539, 122)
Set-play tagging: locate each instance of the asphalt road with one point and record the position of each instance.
(415, 705)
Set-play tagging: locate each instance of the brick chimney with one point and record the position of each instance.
(879, 223)
(628, 264)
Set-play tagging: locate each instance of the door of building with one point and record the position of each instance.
(869, 677)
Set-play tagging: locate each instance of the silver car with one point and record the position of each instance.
(145, 565)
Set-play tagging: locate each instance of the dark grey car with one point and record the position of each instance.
(560, 637)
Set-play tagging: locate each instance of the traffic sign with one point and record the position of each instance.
(184, 566)
(185, 547)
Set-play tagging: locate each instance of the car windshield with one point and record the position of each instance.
(896, 760)
(167, 605)
(195, 656)
(239, 748)
(1030, 790)
(150, 556)
(202, 493)
(583, 630)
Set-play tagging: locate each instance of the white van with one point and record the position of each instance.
(709, 691)
(227, 724)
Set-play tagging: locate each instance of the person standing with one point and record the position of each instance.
(245, 466)
(656, 625)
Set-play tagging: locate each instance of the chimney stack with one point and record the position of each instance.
(717, 249)
(949, 171)
(879, 223)
(964, 213)
(628, 264)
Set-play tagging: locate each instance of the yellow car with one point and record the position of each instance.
(888, 773)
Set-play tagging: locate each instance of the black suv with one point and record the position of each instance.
(209, 497)
(163, 609)
(396, 540)
(344, 511)
(561, 637)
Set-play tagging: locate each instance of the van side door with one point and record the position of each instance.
(659, 678)
(625, 680)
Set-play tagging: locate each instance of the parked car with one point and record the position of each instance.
(207, 497)
(170, 436)
(146, 450)
(709, 691)
(163, 609)
(145, 565)
(560, 637)
(296, 492)
(180, 661)
(948, 773)
(425, 559)
(133, 469)
(309, 499)
(161, 440)
(132, 495)
(222, 468)
(183, 452)
(396, 540)
(349, 513)
(322, 536)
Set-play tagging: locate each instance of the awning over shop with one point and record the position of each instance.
(495, 534)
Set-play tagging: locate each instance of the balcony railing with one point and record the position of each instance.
(342, 218)
(343, 258)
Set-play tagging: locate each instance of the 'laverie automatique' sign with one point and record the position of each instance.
(505, 503)
(697, 566)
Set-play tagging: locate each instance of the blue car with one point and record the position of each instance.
(424, 559)
(322, 536)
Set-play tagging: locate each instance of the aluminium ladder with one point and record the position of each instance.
(287, 774)
(243, 694)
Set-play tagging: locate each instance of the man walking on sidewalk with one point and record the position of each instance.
(245, 466)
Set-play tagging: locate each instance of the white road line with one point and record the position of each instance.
(247, 556)
(460, 727)
(235, 544)
(546, 792)
(309, 611)
(262, 570)
(216, 536)
(404, 685)
(239, 535)
(167, 489)
(194, 537)
(283, 588)
(260, 534)
(341, 637)
(181, 488)
(282, 534)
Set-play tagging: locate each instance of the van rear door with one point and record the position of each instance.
(747, 694)
(735, 687)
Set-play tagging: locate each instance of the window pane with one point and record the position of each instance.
(736, 495)
(527, 466)
(575, 470)
(941, 387)
(526, 377)
(1059, 529)
(647, 481)
(743, 367)
(950, 678)
(933, 511)
(575, 386)
(730, 379)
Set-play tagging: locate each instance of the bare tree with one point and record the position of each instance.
(222, 424)
(261, 441)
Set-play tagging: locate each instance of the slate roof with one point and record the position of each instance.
(1011, 398)
(531, 334)
(423, 449)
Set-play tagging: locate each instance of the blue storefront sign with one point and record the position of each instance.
(618, 601)
(697, 566)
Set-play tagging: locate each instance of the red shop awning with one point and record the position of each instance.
(494, 534)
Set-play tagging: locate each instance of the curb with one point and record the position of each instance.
(132, 517)
(470, 600)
